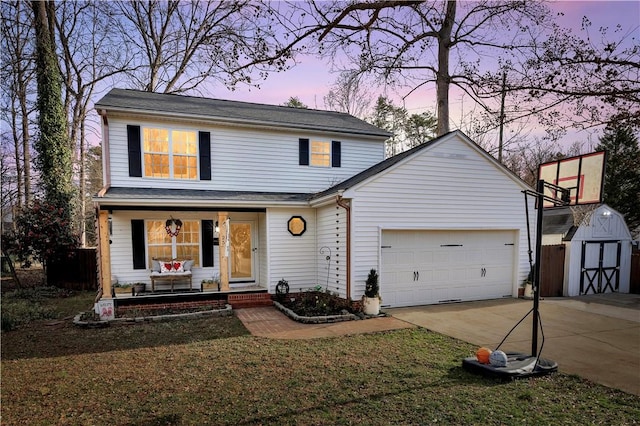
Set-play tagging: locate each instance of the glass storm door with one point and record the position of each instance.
(241, 252)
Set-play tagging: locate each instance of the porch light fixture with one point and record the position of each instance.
(297, 226)
(172, 226)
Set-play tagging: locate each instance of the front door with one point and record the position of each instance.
(241, 252)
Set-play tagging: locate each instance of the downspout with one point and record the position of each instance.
(340, 201)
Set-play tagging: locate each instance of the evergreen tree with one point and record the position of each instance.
(622, 173)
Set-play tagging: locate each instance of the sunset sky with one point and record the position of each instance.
(311, 79)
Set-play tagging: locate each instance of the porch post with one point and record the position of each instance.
(104, 254)
(223, 255)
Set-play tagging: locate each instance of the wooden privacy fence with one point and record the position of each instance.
(635, 272)
(552, 273)
(78, 271)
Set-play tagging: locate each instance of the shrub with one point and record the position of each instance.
(25, 305)
(372, 287)
(17, 312)
(319, 303)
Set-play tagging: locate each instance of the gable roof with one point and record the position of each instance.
(130, 101)
(391, 161)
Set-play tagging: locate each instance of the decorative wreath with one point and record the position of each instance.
(169, 224)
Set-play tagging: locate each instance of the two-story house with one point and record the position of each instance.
(254, 193)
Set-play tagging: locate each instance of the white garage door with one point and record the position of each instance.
(428, 267)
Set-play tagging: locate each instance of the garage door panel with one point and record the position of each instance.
(444, 266)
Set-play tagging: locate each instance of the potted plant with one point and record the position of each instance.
(123, 288)
(527, 284)
(139, 288)
(371, 299)
(213, 284)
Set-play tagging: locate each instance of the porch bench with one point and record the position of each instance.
(172, 277)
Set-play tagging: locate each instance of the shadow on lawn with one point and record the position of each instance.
(47, 339)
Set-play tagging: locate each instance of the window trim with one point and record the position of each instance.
(170, 153)
(174, 244)
(305, 153)
(325, 153)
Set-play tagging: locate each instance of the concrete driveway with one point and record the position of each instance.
(596, 337)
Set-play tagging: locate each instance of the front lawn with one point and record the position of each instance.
(210, 371)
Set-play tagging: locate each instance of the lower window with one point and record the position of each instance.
(186, 245)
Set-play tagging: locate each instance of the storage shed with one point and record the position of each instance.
(598, 248)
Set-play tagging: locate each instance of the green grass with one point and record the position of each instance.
(25, 305)
(210, 371)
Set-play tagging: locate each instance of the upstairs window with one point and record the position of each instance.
(170, 154)
(320, 154)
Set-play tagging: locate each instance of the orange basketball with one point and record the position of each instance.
(482, 355)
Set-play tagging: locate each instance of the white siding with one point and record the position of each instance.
(332, 235)
(449, 186)
(292, 257)
(249, 160)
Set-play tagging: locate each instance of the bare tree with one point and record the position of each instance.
(349, 94)
(567, 80)
(18, 74)
(87, 57)
(525, 158)
(416, 43)
(182, 44)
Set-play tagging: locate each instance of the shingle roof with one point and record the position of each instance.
(121, 193)
(557, 221)
(236, 112)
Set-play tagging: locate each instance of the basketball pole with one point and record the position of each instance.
(537, 269)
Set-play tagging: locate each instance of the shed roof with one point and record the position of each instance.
(126, 100)
(559, 221)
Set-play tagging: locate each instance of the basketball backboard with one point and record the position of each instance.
(583, 175)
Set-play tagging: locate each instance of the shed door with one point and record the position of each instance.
(600, 266)
(428, 267)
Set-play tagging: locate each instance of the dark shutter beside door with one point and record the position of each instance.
(204, 140)
(138, 243)
(134, 151)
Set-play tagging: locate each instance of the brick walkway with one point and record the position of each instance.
(270, 322)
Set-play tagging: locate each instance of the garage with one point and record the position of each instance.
(428, 267)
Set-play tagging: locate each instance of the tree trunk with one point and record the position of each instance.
(83, 187)
(16, 146)
(12, 268)
(442, 76)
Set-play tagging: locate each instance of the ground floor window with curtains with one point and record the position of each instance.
(186, 245)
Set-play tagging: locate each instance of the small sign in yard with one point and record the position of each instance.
(106, 310)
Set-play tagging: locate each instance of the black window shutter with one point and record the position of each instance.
(204, 139)
(303, 152)
(137, 243)
(207, 243)
(135, 151)
(335, 154)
